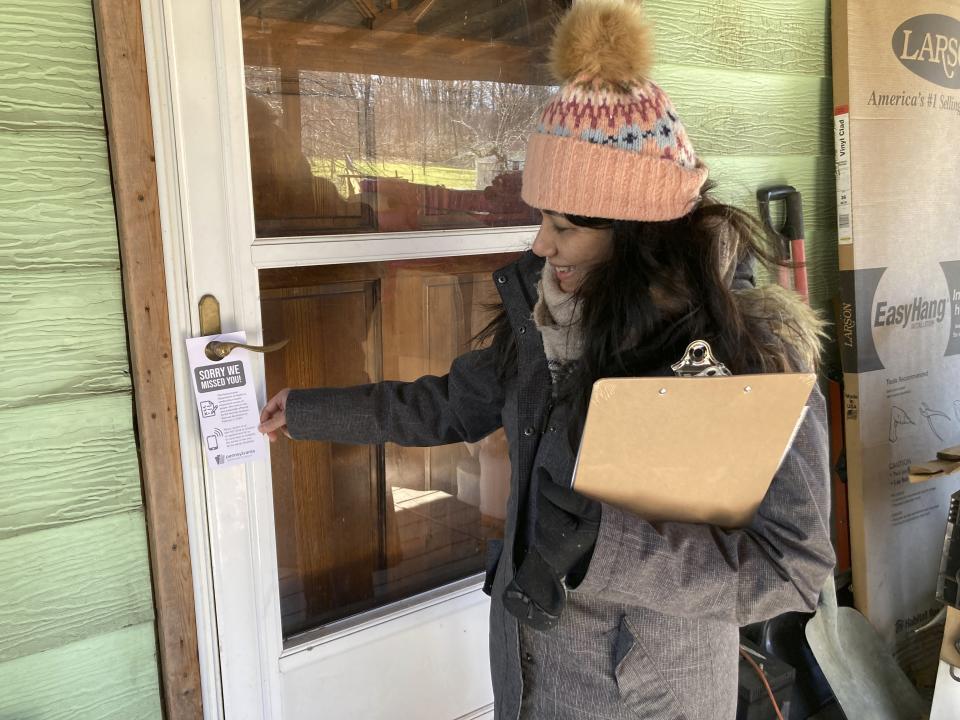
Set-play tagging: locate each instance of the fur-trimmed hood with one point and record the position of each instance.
(790, 331)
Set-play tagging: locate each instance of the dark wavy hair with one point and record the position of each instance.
(662, 287)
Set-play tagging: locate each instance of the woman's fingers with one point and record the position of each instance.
(273, 417)
(273, 423)
(277, 402)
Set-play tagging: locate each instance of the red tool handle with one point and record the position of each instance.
(791, 233)
(799, 256)
(783, 277)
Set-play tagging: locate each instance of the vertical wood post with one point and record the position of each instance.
(126, 99)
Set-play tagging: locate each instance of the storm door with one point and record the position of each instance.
(347, 177)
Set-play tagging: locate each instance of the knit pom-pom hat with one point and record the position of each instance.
(610, 143)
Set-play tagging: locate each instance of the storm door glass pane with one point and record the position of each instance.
(390, 115)
(362, 526)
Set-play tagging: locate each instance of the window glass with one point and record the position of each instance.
(369, 116)
(361, 526)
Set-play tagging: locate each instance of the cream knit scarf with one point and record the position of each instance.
(557, 316)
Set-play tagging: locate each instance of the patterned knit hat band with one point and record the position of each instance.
(640, 118)
(610, 144)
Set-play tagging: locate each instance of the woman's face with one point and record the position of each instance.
(571, 251)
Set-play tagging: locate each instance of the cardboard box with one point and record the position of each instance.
(897, 134)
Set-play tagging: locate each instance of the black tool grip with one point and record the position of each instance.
(793, 221)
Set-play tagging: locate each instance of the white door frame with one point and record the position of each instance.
(195, 71)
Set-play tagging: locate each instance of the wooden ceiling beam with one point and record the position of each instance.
(333, 48)
(496, 21)
(422, 9)
(365, 8)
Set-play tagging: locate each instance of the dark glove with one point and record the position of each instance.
(536, 594)
(567, 527)
(564, 538)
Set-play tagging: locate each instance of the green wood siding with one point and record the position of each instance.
(61, 467)
(757, 114)
(751, 80)
(56, 207)
(106, 677)
(49, 77)
(77, 638)
(63, 334)
(73, 582)
(787, 36)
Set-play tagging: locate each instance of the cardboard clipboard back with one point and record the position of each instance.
(701, 450)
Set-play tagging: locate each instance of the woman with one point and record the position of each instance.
(595, 612)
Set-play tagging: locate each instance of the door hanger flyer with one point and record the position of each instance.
(226, 402)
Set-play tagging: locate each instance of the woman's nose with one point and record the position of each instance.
(543, 246)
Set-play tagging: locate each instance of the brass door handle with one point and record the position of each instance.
(218, 350)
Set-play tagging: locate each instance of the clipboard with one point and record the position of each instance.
(689, 449)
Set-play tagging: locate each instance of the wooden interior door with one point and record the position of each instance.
(360, 527)
(326, 497)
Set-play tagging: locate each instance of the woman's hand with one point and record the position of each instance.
(273, 417)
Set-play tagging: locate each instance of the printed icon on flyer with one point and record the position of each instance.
(208, 408)
(218, 459)
(213, 441)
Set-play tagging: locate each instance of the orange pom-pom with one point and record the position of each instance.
(603, 39)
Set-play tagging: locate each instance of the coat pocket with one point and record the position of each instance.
(642, 687)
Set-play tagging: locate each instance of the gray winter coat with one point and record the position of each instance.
(652, 631)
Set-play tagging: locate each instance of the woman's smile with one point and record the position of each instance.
(563, 272)
(571, 250)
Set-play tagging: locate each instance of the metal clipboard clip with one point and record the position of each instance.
(698, 361)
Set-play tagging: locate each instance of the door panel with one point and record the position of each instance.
(361, 527)
(322, 488)
(438, 669)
